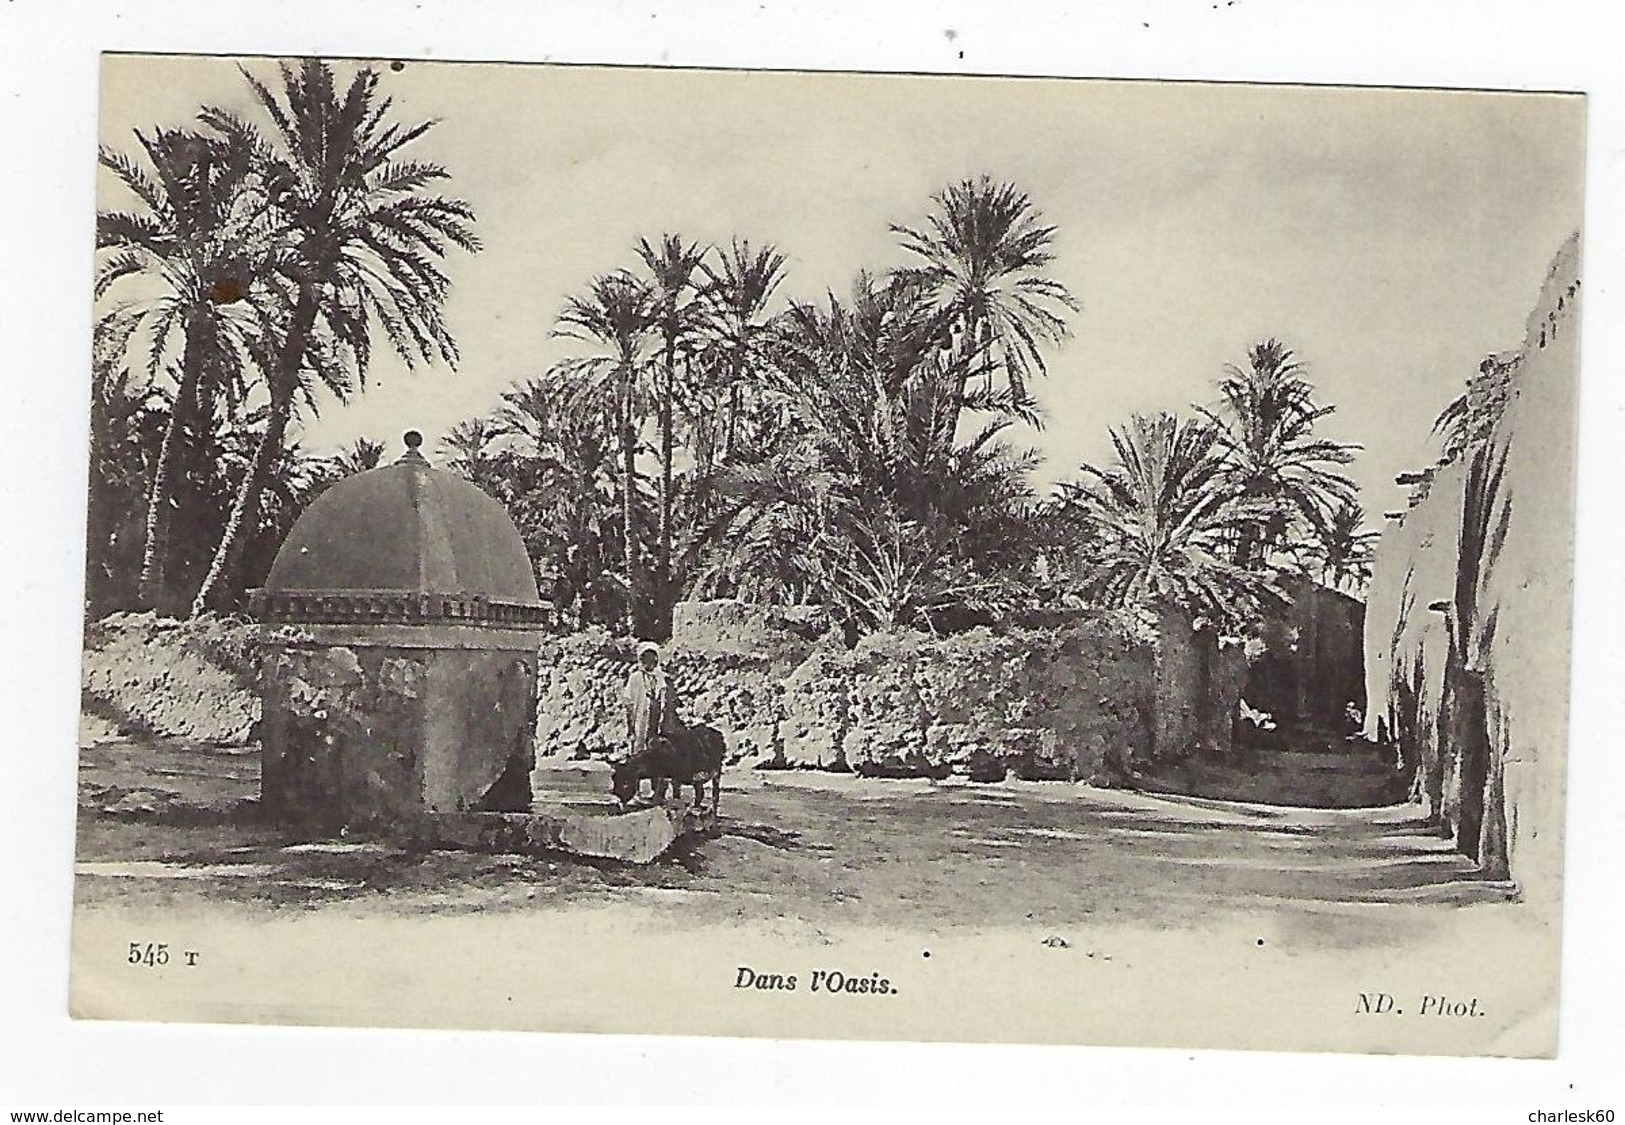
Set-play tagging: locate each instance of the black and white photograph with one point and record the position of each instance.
(828, 555)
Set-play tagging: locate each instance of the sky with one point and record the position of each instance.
(1391, 238)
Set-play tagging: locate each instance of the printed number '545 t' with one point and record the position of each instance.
(149, 953)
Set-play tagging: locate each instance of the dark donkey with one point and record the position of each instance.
(691, 756)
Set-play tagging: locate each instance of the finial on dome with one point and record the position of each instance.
(413, 439)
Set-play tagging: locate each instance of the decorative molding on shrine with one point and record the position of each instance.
(394, 607)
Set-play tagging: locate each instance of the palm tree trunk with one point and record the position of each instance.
(97, 516)
(728, 427)
(150, 587)
(1251, 542)
(628, 483)
(226, 555)
(1307, 665)
(1246, 541)
(735, 404)
(974, 332)
(702, 440)
(285, 380)
(663, 564)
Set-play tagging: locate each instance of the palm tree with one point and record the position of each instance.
(952, 543)
(467, 451)
(986, 495)
(737, 334)
(861, 501)
(361, 249)
(1471, 416)
(128, 417)
(886, 572)
(615, 316)
(293, 480)
(1344, 552)
(865, 382)
(559, 452)
(759, 548)
(358, 457)
(671, 267)
(201, 234)
(1154, 526)
(1267, 434)
(985, 248)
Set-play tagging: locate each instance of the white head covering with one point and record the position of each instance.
(648, 647)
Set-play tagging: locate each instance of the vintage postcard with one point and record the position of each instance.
(828, 555)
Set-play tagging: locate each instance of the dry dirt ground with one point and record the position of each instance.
(825, 851)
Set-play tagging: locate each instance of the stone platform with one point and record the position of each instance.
(640, 836)
(573, 812)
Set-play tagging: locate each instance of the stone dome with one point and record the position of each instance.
(403, 529)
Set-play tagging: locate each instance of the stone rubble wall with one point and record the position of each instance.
(581, 713)
(192, 680)
(1088, 698)
(1080, 700)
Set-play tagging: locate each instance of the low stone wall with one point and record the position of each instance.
(1093, 697)
(581, 714)
(783, 634)
(195, 680)
(1049, 704)
(1084, 700)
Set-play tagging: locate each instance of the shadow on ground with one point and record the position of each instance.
(825, 849)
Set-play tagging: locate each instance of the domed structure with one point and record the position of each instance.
(409, 687)
(405, 543)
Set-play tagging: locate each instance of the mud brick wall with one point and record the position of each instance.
(1312, 667)
(1474, 691)
(1407, 644)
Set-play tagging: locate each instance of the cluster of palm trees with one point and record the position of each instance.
(1216, 513)
(854, 451)
(250, 273)
(705, 437)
